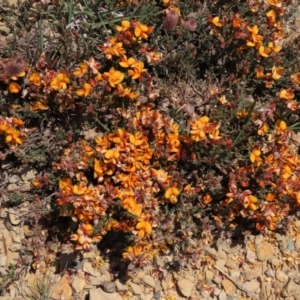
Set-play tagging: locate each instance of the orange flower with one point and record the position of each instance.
(136, 139)
(295, 78)
(60, 82)
(271, 17)
(137, 71)
(141, 30)
(79, 190)
(172, 193)
(236, 22)
(198, 128)
(35, 78)
(280, 126)
(256, 39)
(39, 105)
(207, 199)
(114, 77)
(286, 94)
(17, 122)
(81, 70)
(277, 72)
(264, 51)
(255, 156)
(260, 72)
(276, 3)
(13, 136)
(161, 176)
(126, 62)
(216, 21)
(263, 129)
(14, 88)
(126, 92)
(111, 155)
(270, 197)
(143, 228)
(85, 91)
(125, 25)
(287, 172)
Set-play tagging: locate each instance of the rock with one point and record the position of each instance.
(290, 245)
(281, 276)
(98, 294)
(222, 255)
(265, 291)
(185, 287)
(228, 286)
(13, 178)
(96, 280)
(108, 287)
(275, 262)
(222, 296)
(146, 297)
(264, 251)
(258, 240)
(28, 175)
(78, 284)
(148, 281)
(297, 244)
(3, 260)
(62, 290)
(88, 268)
(209, 275)
(251, 274)
(103, 270)
(15, 247)
(217, 279)
(230, 264)
(220, 263)
(290, 289)
(136, 288)
(229, 247)
(14, 218)
(157, 295)
(250, 256)
(270, 273)
(212, 252)
(235, 274)
(251, 286)
(120, 286)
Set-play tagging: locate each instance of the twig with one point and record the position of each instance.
(234, 281)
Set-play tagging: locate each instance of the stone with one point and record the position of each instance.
(220, 263)
(120, 286)
(96, 280)
(264, 251)
(270, 273)
(265, 291)
(15, 247)
(209, 275)
(251, 274)
(275, 262)
(290, 289)
(230, 247)
(222, 255)
(103, 270)
(135, 288)
(78, 284)
(297, 244)
(281, 276)
(3, 260)
(258, 240)
(108, 287)
(148, 281)
(98, 294)
(252, 286)
(14, 218)
(235, 274)
(290, 245)
(88, 268)
(13, 178)
(250, 256)
(222, 296)
(228, 286)
(230, 264)
(62, 290)
(185, 287)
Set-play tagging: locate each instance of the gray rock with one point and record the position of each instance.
(108, 287)
(290, 245)
(270, 273)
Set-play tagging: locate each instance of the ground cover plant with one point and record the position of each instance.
(149, 124)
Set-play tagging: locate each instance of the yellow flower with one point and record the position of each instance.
(126, 92)
(143, 228)
(125, 24)
(280, 126)
(255, 156)
(277, 72)
(250, 202)
(286, 94)
(256, 38)
(216, 21)
(81, 70)
(264, 51)
(114, 77)
(112, 155)
(60, 82)
(136, 139)
(137, 71)
(295, 78)
(263, 129)
(14, 88)
(79, 190)
(13, 136)
(85, 91)
(126, 62)
(141, 30)
(172, 193)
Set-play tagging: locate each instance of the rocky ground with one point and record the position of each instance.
(256, 267)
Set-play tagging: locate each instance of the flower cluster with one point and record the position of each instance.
(13, 136)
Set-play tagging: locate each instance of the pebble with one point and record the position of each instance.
(290, 289)
(222, 296)
(235, 274)
(62, 290)
(228, 286)
(96, 280)
(251, 286)
(209, 275)
(221, 263)
(108, 287)
(250, 256)
(264, 251)
(136, 288)
(120, 286)
(104, 272)
(88, 268)
(290, 245)
(78, 284)
(14, 219)
(148, 281)
(222, 255)
(281, 276)
(185, 286)
(251, 274)
(157, 295)
(98, 294)
(230, 264)
(270, 273)
(297, 244)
